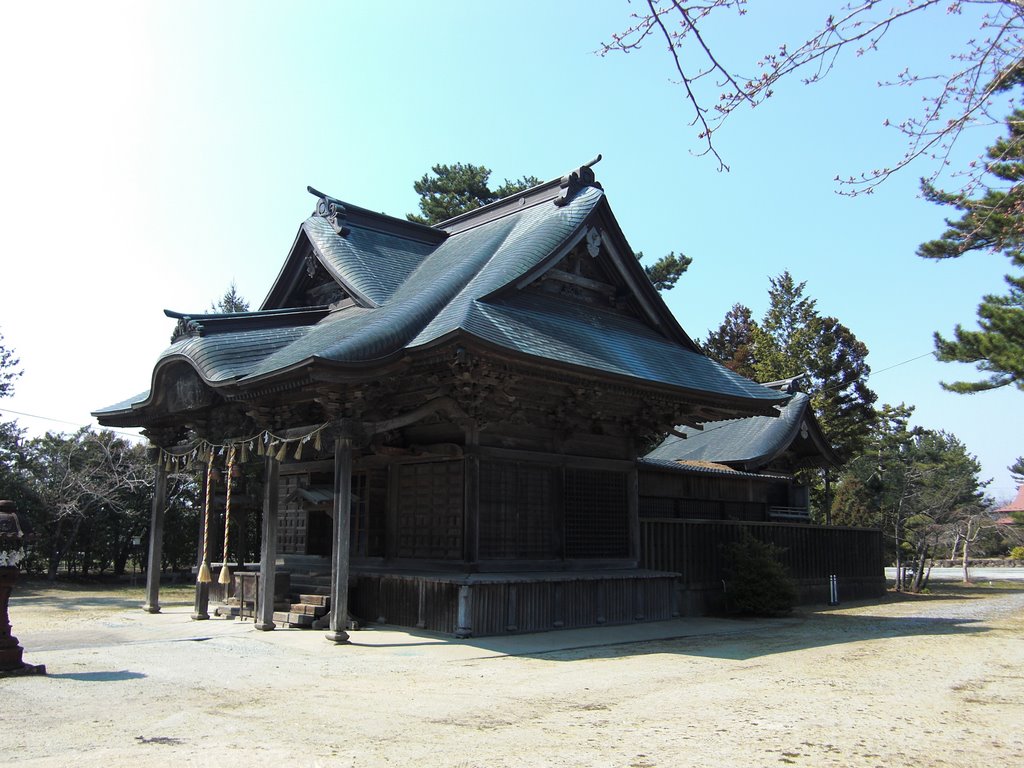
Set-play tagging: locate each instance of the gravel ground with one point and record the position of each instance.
(936, 680)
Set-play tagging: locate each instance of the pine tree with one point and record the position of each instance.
(666, 271)
(992, 222)
(1017, 470)
(459, 188)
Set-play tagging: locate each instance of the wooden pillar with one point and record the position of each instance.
(268, 547)
(156, 535)
(201, 604)
(471, 493)
(341, 544)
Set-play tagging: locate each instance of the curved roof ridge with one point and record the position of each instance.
(385, 330)
(369, 264)
(528, 240)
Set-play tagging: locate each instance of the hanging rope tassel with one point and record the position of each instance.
(204, 569)
(225, 572)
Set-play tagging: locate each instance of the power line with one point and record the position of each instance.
(897, 365)
(75, 424)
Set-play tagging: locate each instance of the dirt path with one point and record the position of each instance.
(933, 681)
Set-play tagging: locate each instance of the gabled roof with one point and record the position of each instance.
(753, 442)
(397, 287)
(1017, 505)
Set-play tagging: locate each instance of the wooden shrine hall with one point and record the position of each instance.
(453, 413)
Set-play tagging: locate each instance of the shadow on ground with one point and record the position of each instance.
(98, 677)
(740, 639)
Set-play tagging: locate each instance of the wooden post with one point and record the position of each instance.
(268, 547)
(340, 548)
(156, 535)
(201, 605)
(471, 492)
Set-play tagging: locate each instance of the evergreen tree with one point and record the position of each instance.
(793, 339)
(666, 271)
(786, 335)
(459, 188)
(994, 222)
(1017, 470)
(9, 370)
(14, 484)
(733, 343)
(842, 400)
(919, 486)
(230, 302)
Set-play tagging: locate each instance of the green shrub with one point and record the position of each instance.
(1017, 553)
(756, 581)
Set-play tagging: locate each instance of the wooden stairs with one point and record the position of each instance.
(305, 612)
(308, 604)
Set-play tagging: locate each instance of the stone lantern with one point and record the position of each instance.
(11, 553)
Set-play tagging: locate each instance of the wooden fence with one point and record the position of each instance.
(695, 549)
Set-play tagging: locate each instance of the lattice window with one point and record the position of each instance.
(359, 519)
(596, 514)
(430, 510)
(657, 506)
(291, 526)
(517, 511)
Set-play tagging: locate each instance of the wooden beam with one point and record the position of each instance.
(437, 405)
(580, 281)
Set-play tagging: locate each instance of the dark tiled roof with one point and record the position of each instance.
(369, 263)
(748, 442)
(602, 340)
(415, 286)
(706, 468)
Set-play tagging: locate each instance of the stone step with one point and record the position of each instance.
(308, 610)
(324, 600)
(294, 619)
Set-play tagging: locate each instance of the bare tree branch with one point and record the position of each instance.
(963, 97)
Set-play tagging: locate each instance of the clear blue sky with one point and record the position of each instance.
(154, 152)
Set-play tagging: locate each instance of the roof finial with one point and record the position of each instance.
(576, 180)
(331, 209)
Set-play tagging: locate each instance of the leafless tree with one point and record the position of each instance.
(966, 94)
